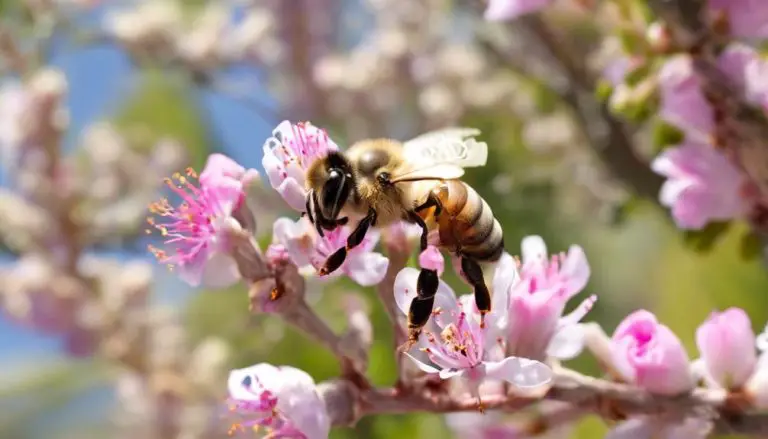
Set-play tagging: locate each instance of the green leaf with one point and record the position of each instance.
(665, 135)
(702, 241)
(750, 246)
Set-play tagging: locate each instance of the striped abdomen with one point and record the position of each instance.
(466, 224)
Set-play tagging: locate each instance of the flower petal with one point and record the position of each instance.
(367, 269)
(293, 193)
(423, 366)
(576, 269)
(534, 249)
(567, 343)
(521, 372)
(405, 292)
(220, 271)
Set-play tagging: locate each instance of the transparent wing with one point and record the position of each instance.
(450, 146)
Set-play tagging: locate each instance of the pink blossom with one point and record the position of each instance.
(457, 346)
(536, 298)
(482, 426)
(196, 232)
(757, 385)
(221, 166)
(281, 401)
(299, 239)
(726, 343)
(702, 185)
(432, 259)
(748, 70)
(499, 10)
(746, 18)
(288, 154)
(650, 355)
(682, 102)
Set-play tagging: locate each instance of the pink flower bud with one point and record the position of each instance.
(432, 259)
(726, 343)
(650, 355)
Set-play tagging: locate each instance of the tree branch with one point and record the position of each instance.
(609, 137)
(591, 395)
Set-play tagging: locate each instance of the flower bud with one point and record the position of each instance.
(726, 343)
(650, 355)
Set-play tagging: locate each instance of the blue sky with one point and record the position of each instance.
(99, 76)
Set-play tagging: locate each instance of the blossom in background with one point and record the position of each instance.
(702, 185)
(650, 355)
(757, 385)
(300, 241)
(196, 231)
(535, 299)
(748, 69)
(288, 154)
(726, 343)
(455, 343)
(499, 10)
(682, 102)
(746, 18)
(282, 401)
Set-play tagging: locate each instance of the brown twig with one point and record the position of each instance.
(589, 395)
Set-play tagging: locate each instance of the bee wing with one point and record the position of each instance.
(454, 146)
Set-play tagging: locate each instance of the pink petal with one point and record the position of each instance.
(293, 193)
(499, 10)
(521, 372)
(575, 269)
(220, 271)
(366, 269)
(221, 165)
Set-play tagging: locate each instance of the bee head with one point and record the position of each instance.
(332, 182)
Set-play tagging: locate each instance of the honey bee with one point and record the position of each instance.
(382, 181)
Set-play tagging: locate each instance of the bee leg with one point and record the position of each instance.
(474, 274)
(353, 240)
(431, 201)
(426, 288)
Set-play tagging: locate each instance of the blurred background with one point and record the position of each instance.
(100, 100)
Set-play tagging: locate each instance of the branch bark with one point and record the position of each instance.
(610, 400)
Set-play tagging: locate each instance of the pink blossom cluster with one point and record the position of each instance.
(703, 184)
(521, 338)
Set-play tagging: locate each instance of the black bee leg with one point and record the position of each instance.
(474, 275)
(308, 210)
(355, 238)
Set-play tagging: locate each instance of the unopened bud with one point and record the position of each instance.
(659, 37)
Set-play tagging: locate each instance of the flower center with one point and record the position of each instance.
(190, 227)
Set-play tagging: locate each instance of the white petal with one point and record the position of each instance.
(405, 288)
(533, 249)
(220, 271)
(450, 373)
(567, 343)
(241, 380)
(521, 372)
(367, 269)
(405, 292)
(423, 366)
